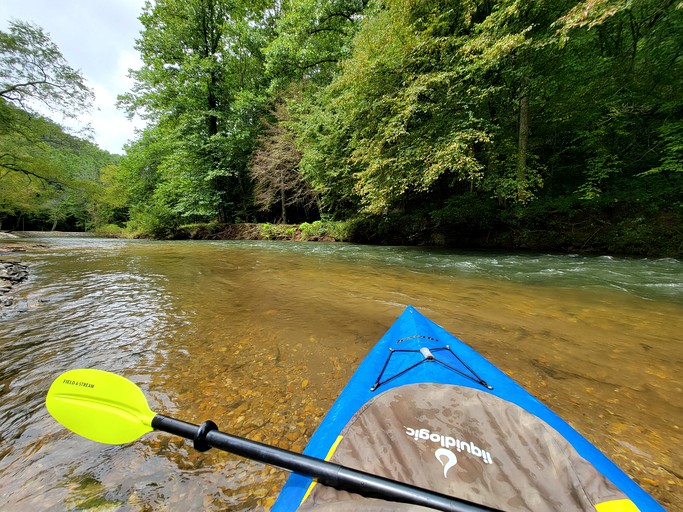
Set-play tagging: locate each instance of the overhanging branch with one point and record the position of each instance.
(12, 167)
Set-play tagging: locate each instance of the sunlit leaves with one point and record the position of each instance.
(590, 13)
(406, 106)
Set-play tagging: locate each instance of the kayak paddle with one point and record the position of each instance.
(108, 408)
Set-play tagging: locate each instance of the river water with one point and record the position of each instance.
(260, 337)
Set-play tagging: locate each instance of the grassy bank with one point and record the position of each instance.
(318, 231)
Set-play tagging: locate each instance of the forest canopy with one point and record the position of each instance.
(508, 123)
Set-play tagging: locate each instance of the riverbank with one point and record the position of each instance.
(544, 226)
(611, 224)
(12, 273)
(578, 234)
(317, 231)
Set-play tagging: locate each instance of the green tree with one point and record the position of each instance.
(202, 86)
(311, 38)
(48, 176)
(400, 119)
(111, 206)
(632, 87)
(503, 97)
(33, 73)
(45, 172)
(143, 171)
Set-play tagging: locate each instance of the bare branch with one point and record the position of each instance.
(275, 169)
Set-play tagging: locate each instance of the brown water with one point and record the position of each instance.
(261, 337)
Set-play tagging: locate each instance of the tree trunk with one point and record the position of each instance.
(283, 203)
(522, 144)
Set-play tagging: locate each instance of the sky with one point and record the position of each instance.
(96, 37)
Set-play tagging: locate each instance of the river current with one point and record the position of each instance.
(260, 337)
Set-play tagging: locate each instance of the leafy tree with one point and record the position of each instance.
(311, 38)
(111, 206)
(638, 56)
(142, 170)
(501, 97)
(46, 174)
(323, 136)
(201, 86)
(405, 121)
(33, 73)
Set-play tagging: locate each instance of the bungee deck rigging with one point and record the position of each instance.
(427, 357)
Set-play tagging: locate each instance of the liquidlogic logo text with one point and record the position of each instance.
(445, 454)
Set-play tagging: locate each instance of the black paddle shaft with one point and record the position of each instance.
(340, 477)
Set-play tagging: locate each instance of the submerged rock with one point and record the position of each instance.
(11, 274)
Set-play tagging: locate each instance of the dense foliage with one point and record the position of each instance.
(539, 123)
(202, 88)
(48, 178)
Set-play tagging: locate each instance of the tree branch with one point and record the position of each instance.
(11, 167)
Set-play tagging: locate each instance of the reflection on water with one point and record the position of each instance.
(261, 337)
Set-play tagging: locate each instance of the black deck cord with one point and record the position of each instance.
(327, 473)
(473, 377)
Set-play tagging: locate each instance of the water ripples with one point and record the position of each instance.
(261, 336)
(77, 316)
(646, 278)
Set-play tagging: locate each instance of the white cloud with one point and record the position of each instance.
(97, 37)
(111, 126)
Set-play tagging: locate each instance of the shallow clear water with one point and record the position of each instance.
(260, 337)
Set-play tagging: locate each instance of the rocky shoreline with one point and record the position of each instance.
(12, 271)
(11, 274)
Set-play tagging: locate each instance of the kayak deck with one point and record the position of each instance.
(426, 409)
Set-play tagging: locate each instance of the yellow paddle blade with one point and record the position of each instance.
(100, 406)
